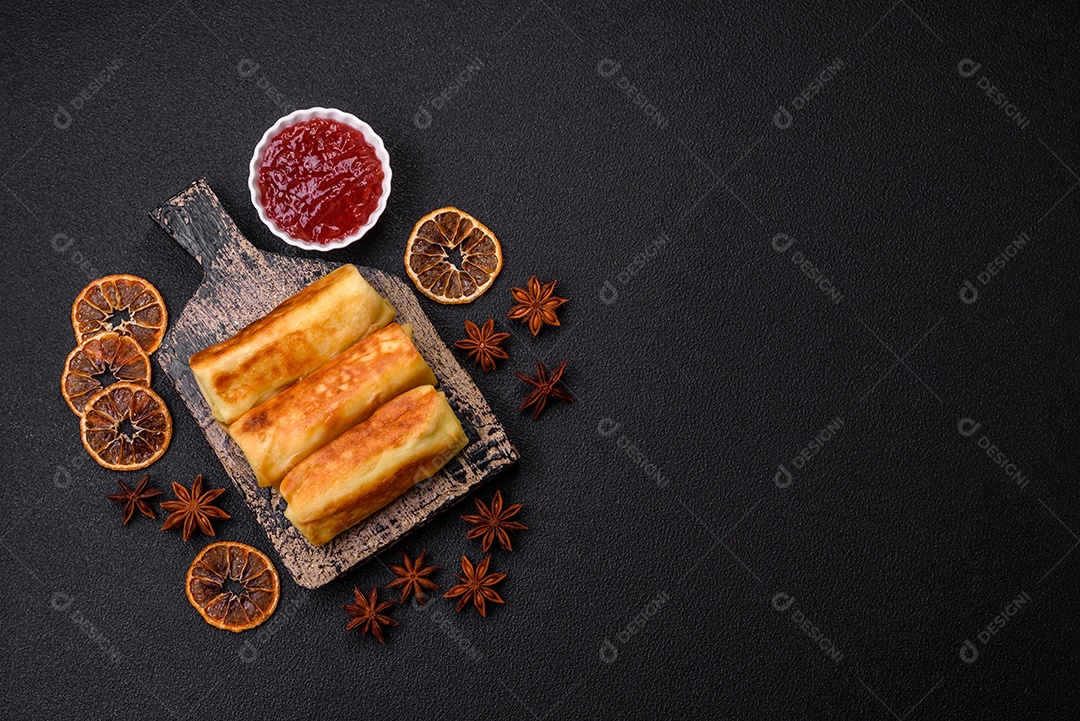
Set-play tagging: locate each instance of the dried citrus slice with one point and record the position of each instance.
(233, 586)
(125, 404)
(430, 256)
(117, 354)
(100, 308)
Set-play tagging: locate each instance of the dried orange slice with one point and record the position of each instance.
(105, 437)
(255, 590)
(100, 308)
(117, 354)
(430, 256)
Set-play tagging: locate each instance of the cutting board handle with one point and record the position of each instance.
(197, 220)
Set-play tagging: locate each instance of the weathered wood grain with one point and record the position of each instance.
(241, 284)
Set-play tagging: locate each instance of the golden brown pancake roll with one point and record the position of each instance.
(289, 342)
(279, 433)
(407, 440)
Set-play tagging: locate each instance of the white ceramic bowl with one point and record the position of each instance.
(370, 136)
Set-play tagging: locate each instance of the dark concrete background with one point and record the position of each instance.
(660, 548)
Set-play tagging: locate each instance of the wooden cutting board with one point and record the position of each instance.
(241, 284)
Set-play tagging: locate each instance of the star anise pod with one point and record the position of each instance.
(193, 509)
(476, 585)
(137, 498)
(494, 522)
(536, 304)
(413, 577)
(484, 345)
(368, 614)
(544, 387)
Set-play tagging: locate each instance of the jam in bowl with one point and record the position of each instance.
(320, 178)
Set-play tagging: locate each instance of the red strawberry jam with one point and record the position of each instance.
(320, 180)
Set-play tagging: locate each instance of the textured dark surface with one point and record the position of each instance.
(720, 358)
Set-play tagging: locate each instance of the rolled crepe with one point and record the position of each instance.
(279, 433)
(407, 440)
(289, 342)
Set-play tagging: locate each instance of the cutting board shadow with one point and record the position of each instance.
(241, 284)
